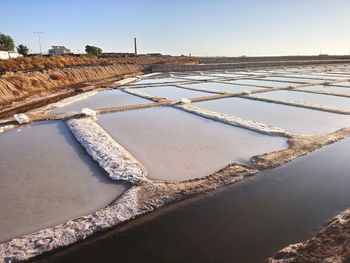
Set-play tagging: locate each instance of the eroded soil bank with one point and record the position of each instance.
(330, 245)
(16, 86)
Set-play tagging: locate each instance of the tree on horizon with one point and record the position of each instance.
(6, 43)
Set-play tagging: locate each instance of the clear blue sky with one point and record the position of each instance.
(199, 27)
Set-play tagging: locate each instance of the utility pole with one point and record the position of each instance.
(38, 34)
(135, 46)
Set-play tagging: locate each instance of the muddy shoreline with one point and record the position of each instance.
(332, 244)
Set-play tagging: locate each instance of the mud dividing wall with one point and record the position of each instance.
(15, 86)
(240, 65)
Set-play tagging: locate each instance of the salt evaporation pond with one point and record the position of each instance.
(175, 145)
(177, 74)
(227, 75)
(157, 81)
(328, 89)
(308, 98)
(198, 77)
(332, 76)
(295, 80)
(220, 87)
(345, 84)
(344, 73)
(246, 222)
(253, 82)
(173, 93)
(103, 99)
(248, 72)
(47, 178)
(293, 119)
(320, 77)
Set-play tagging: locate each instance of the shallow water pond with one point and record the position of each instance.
(331, 75)
(198, 77)
(318, 76)
(103, 99)
(157, 81)
(254, 82)
(221, 87)
(173, 93)
(227, 75)
(345, 84)
(47, 178)
(294, 80)
(175, 145)
(328, 89)
(293, 119)
(309, 98)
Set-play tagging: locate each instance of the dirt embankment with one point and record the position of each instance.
(41, 63)
(24, 78)
(330, 245)
(209, 60)
(16, 86)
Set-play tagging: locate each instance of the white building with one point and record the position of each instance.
(9, 54)
(59, 50)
